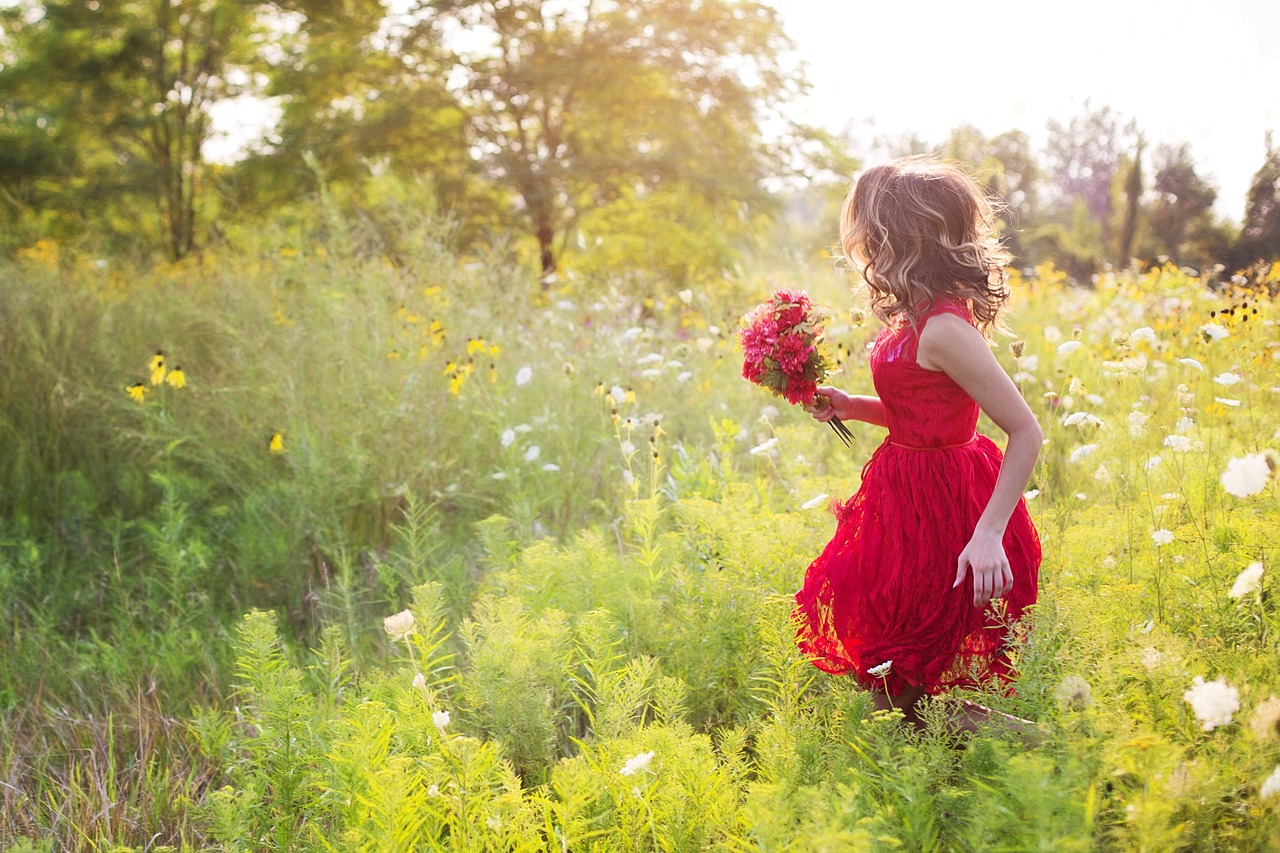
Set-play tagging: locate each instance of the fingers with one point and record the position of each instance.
(961, 566)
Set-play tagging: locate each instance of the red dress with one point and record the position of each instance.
(881, 589)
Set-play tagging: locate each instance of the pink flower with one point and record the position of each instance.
(801, 391)
(792, 353)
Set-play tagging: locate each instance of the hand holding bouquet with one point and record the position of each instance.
(784, 350)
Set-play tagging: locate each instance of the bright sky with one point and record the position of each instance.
(1206, 72)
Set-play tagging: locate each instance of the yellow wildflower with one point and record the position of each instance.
(276, 444)
(456, 383)
(176, 377)
(137, 391)
(494, 349)
(450, 367)
(156, 365)
(475, 345)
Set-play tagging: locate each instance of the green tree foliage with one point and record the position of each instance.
(108, 105)
(1180, 217)
(577, 106)
(1260, 233)
(1007, 166)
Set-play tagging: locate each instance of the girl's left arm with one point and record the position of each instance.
(949, 344)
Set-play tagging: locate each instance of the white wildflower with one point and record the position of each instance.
(637, 763)
(684, 376)
(1146, 333)
(881, 670)
(1271, 786)
(419, 682)
(769, 413)
(618, 394)
(1185, 425)
(1152, 463)
(627, 447)
(441, 719)
(523, 375)
(508, 437)
(1266, 719)
(1191, 362)
(1152, 657)
(651, 358)
(399, 624)
(1052, 334)
(522, 428)
(1179, 443)
(1148, 626)
(1213, 332)
(434, 790)
(1249, 580)
(1102, 475)
(1131, 366)
(814, 501)
(1247, 475)
(1068, 347)
(1082, 451)
(764, 447)
(1162, 537)
(686, 295)
(1226, 378)
(551, 466)
(1030, 495)
(1095, 400)
(1214, 702)
(1227, 401)
(1081, 496)
(1074, 692)
(499, 475)
(1082, 419)
(1138, 423)
(651, 373)
(532, 453)
(1030, 363)
(628, 477)
(493, 823)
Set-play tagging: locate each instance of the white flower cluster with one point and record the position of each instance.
(1214, 702)
(398, 625)
(1247, 475)
(1249, 580)
(636, 764)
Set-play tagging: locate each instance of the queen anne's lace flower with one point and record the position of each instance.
(636, 763)
(1249, 580)
(1266, 719)
(441, 719)
(1074, 692)
(1271, 786)
(1162, 537)
(1247, 475)
(398, 624)
(881, 670)
(1213, 702)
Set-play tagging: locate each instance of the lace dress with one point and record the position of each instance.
(881, 589)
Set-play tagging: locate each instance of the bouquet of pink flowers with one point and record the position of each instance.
(785, 353)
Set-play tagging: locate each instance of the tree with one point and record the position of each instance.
(575, 105)
(1180, 216)
(1008, 169)
(1260, 233)
(1085, 155)
(121, 92)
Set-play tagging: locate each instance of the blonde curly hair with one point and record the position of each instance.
(919, 229)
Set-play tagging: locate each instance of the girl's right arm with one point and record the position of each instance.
(846, 407)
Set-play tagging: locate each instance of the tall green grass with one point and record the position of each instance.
(192, 649)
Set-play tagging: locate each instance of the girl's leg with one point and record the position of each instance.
(904, 702)
(971, 716)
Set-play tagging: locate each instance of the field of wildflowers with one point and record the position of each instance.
(321, 547)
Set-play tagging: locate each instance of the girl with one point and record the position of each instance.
(935, 557)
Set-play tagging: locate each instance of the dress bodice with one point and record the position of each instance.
(923, 408)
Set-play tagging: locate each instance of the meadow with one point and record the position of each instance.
(347, 541)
